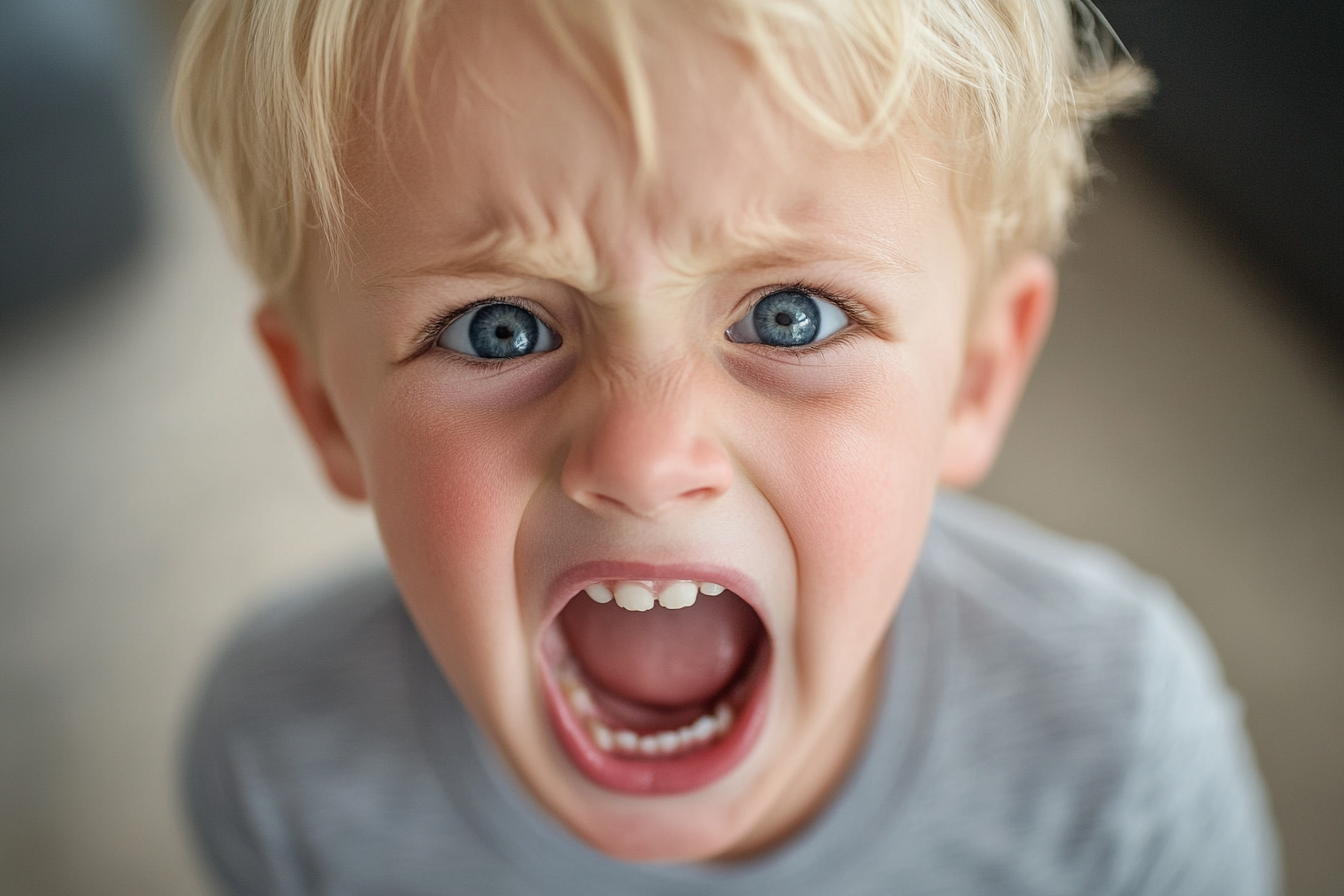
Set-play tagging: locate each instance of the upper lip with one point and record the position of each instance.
(569, 582)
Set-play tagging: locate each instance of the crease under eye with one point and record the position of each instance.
(497, 331)
(789, 318)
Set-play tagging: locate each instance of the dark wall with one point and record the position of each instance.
(72, 199)
(1248, 118)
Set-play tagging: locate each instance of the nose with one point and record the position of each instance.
(645, 455)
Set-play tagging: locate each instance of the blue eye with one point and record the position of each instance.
(498, 331)
(789, 318)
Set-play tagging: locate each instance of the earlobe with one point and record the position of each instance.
(1001, 348)
(310, 400)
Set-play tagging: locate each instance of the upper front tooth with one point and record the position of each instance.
(634, 596)
(678, 595)
(599, 592)
(710, 588)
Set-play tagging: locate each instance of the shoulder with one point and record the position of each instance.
(1037, 602)
(304, 746)
(1092, 712)
(1045, 574)
(1045, 636)
(1067, 638)
(303, 649)
(318, 680)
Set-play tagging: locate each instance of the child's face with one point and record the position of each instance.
(749, 375)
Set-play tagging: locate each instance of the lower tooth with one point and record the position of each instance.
(567, 677)
(582, 701)
(701, 731)
(602, 736)
(664, 743)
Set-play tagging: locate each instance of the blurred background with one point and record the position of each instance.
(1188, 410)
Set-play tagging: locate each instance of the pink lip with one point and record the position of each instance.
(663, 775)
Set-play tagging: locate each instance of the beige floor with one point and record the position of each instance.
(151, 488)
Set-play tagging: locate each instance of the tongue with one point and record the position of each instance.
(662, 657)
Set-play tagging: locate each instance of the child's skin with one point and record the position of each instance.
(648, 444)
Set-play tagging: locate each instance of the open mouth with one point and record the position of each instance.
(656, 686)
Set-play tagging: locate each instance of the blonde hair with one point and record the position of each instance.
(266, 92)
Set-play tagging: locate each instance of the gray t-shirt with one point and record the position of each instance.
(1052, 722)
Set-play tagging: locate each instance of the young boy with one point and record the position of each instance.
(649, 330)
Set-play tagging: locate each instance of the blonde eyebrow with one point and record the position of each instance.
(513, 253)
(770, 245)
(811, 253)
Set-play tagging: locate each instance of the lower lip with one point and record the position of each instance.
(666, 775)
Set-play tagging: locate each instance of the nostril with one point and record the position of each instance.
(599, 501)
(700, 493)
(648, 505)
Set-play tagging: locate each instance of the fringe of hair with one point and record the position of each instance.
(1010, 91)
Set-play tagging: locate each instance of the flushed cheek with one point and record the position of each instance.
(853, 486)
(448, 489)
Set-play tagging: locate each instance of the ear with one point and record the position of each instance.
(309, 398)
(1001, 347)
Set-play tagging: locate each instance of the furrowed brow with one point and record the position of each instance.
(564, 258)
(778, 247)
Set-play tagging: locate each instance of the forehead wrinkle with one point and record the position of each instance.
(766, 242)
(561, 254)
